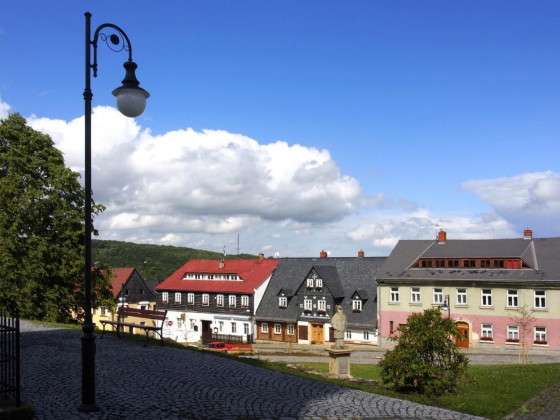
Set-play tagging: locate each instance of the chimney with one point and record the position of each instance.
(323, 254)
(261, 256)
(361, 253)
(528, 234)
(442, 236)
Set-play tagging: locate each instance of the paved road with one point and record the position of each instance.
(156, 382)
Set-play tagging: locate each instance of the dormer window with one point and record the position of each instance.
(310, 283)
(319, 283)
(356, 304)
(282, 302)
(322, 305)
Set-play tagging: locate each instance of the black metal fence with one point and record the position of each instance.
(10, 379)
(226, 338)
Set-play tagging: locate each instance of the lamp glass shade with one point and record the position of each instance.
(131, 101)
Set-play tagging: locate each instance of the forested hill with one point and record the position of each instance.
(154, 262)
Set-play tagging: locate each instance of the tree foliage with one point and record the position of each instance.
(41, 225)
(425, 358)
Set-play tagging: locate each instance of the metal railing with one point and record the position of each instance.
(232, 338)
(10, 358)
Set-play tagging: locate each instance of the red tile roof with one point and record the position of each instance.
(253, 272)
(120, 277)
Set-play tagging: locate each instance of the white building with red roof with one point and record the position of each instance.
(214, 299)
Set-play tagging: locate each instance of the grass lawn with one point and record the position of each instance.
(491, 391)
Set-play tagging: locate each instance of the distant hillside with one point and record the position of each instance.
(154, 262)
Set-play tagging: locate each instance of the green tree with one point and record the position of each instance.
(425, 358)
(41, 225)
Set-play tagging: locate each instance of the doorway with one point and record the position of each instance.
(463, 339)
(206, 331)
(316, 333)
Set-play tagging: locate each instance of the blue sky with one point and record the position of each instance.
(412, 99)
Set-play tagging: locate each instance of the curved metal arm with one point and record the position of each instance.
(115, 40)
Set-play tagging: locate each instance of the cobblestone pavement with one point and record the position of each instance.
(154, 382)
(545, 406)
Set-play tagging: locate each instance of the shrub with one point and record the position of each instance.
(425, 359)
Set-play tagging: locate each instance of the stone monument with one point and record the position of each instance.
(339, 356)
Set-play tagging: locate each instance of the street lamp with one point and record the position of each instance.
(131, 101)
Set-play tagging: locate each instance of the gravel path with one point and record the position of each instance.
(153, 382)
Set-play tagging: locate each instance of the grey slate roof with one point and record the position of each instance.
(541, 254)
(330, 277)
(354, 273)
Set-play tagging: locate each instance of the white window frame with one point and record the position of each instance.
(318, 283)
(232, 300)
(394, 296)
(190, 298)
(512, 333)
(539, 300)
(220, 300)
(165, 296)
(322, 305)
(277, 328)
(177, 297)
(234, 327)
(307, 304)
(461, 296)
(437, 296)
(205, 299)
(309, 283)
(366, 334)
(486, 298)
(512, 298)
(357, 305)
(290, 329)
(264, 327)
(244, 301)
(540, 332)
(220, 326)
(282, 302)
(349, 334)
(246, 329)
(415, 295)
(487, 331)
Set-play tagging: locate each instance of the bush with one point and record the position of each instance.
(425, 359)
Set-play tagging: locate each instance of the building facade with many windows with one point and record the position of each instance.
(303, 293)
(214, 299)
(499, 292)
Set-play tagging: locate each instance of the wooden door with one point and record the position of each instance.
(302, 332)
(463, 339)
(316, 333)
(206, 332)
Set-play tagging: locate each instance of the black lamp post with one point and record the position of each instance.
(131, 101)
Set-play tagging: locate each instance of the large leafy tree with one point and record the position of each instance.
(41, 225)
(425, 359)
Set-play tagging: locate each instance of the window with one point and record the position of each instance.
(190, 298)
(348, 335)
(246, 329)
(394, 298)
(391, 327)
(219, 300)
(307, 304)
(319, 283)
(282, 301)
(427, 263)
(322, 305)
(438, 296)
(415, 295)
(513, 333)
(486, 333)
(453, 263)
(103, 311)
(165, 297)
(232, 301)
(540, 299)
(461, 296)
(469, 263)
(309, 283)
(177, 297)
(264, 327)
(233, 327)
(277, 328)
(540, 335)
(205, 299)
(366, 335)
(486, 297)
(498, 263)
(512, 299)
(440, 263)
(356, 305)
(221, 326)
(290, 330)
(244, 301)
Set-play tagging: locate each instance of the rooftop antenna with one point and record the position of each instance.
(224, 250)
